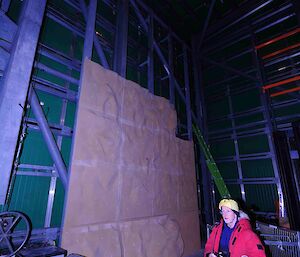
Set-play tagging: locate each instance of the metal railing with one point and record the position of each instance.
(280, 242)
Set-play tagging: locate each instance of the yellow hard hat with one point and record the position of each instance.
(230, 203)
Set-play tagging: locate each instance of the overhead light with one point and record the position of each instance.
(282, 68)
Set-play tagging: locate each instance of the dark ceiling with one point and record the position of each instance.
(187, 17)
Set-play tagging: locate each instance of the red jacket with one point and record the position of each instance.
(243, 240)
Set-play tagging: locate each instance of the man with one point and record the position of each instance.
(233, 237)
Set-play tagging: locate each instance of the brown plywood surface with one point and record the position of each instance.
(132, 189)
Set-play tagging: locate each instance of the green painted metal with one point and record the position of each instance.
(29, 196)
(257, 168)
(211, 164)
(262, 197)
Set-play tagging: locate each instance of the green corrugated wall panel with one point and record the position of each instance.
(52, 64)
(246, 101)
(133, 30)
(15, 10)
(78, 48)
(66, 149)
(143, 79)
(29, 192)
(249, 119)
(56, 36)
(235, 191)
(131, 74)
(57, 67)
(51, 106)
(70, 114)
(104, 34)
(241, 63)
(211, 91)
(49, 77)
(261, 197)
(108, 56)
(257, 168)
(35, 150)
(106, 11)
(218, 109)
(228, 170)
(132, 52)
(221, 149)
(289, 110)
(67, 10)
(181, 109)
(234, 48)
(281, 98)
(214, 73)
(253, 144)
(275, 30)
(219, 125)
(58, 205)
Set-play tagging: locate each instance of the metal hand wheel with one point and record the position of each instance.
(15, 230)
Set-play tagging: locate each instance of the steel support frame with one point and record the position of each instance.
(171, 63)
(269, 129)
(15, 86)
(97, 44)
(187, 93)
(89, 42)
(164, 61)
(206, 209)
(48, 137)
(120, 51)
(53, 174)
(230, 69)
(35, 104)
(236, 146)
(247, 11)
(150, 58)
(266, 112)
(5, 5)
(246, 31)
(203, 32)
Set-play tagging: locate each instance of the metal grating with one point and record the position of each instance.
(280, 242)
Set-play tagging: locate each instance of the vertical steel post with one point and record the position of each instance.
(48, 137)
(98, 46)
(296, 4)
(87, 54)
(89, 31)
(201, 116)
(157, 49)
(171, 64)
(89, 39)
(211, 7)
(15, 84)
(150, 67)
(236, 145)
(269, 127)
(53, 182)
(187, 93)
(5, 5)
(120, 51)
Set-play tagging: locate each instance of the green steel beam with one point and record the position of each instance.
(211, 164)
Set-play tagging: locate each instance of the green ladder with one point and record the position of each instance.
(211, 164)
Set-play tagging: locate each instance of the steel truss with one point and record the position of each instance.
(234, 82)
(85, 29)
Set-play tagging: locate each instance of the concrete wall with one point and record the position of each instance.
(132, 189)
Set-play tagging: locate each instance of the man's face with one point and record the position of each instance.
(229, 216)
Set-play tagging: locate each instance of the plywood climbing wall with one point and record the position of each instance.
(132, 190)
